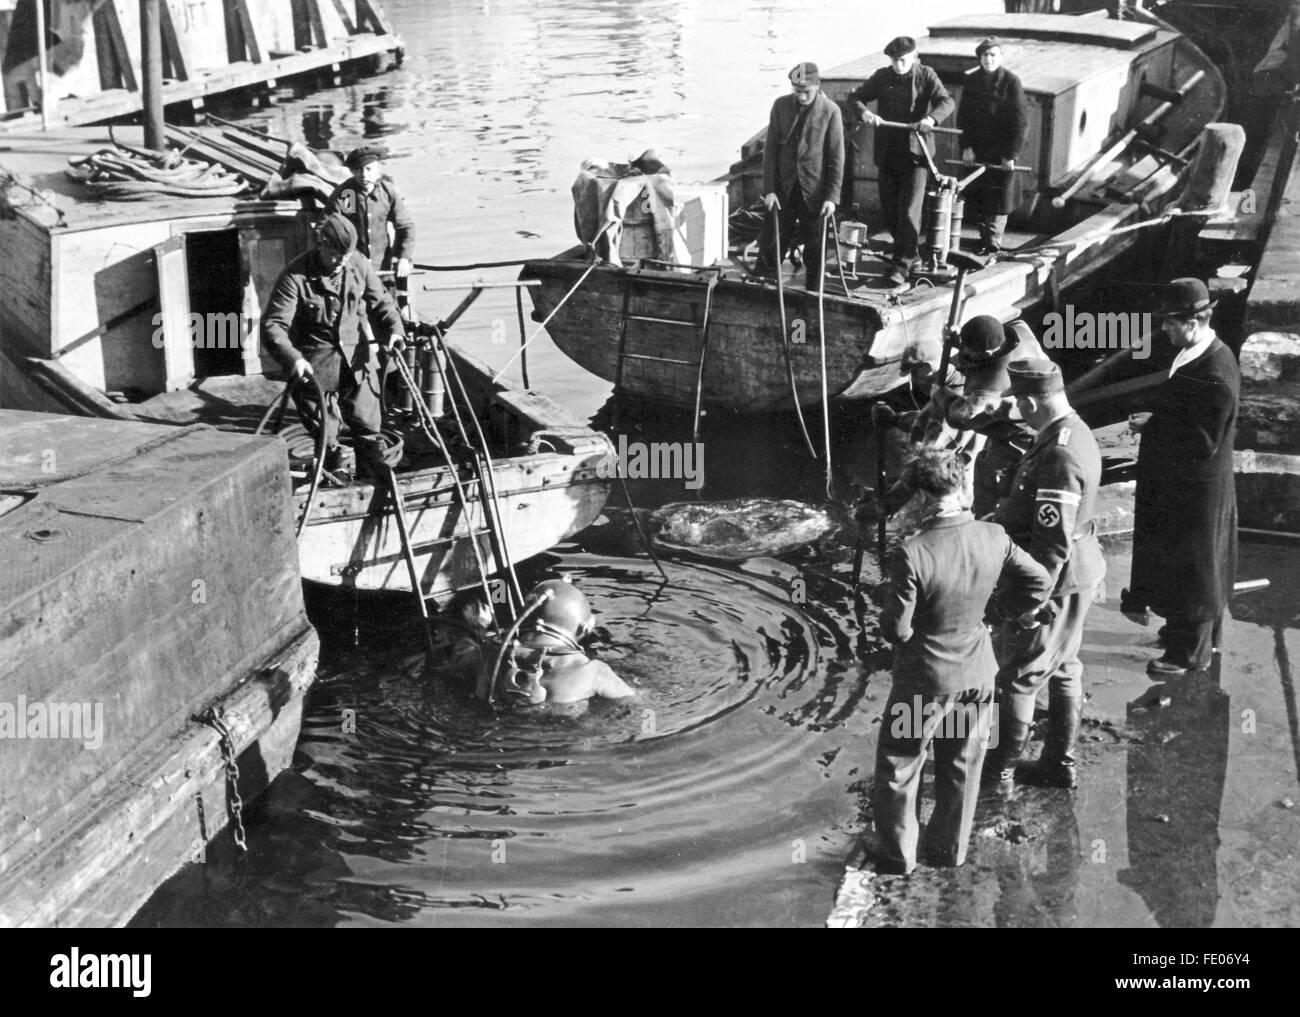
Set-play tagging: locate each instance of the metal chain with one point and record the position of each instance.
(213, 718)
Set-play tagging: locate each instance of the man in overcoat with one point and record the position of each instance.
(994, 120)
(1185, 526)
(907, 91)
(803, 170)
(371, 202)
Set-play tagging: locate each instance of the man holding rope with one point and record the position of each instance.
(906, 92)
(803, 170)
(313, 325)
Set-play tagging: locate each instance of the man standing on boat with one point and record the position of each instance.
(1049, 513)
(940, 580)
(313, 324)
(1185, 526)
(370, 201)
(905, 92)
(994, 120)
(803, 170)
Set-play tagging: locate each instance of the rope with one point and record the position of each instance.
(523, 347)
(107, 464)
(472, 266)
(775, 213)
(821, 333)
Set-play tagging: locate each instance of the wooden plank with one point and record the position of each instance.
(251, 45)
(130, 73)
(316, 26)
(172, 44)
(344, 16)
(373, 15)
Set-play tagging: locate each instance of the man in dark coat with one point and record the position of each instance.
(994, 119)
(803, 170)
(370, 201)
(904, 92)
(1049, 512)
(940, 581)
(1185, 526)
(313, 325)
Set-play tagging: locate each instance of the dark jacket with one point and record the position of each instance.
(371, 214)
(320, 317)
(1049, 511)
(815, 159)
(1185, 522)
(940, 581)
(994, 119)
(906, 99)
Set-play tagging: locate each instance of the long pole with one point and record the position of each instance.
(151, 74)
(42, 74)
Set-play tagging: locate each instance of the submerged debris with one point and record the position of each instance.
(740, 528)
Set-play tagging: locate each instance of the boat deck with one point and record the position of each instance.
(39, 161)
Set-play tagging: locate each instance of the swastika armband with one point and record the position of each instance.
(1048, 514)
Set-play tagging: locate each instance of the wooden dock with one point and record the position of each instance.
(207, 47)
(151, 575)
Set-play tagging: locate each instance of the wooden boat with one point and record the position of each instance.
(708, 332)
(102, 297)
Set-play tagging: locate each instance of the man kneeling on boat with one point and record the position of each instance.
(541, 660)
(314, 325)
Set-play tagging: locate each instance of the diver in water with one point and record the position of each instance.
(541, 660)
(460, 633)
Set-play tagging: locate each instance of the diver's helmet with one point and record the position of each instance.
(565, 613)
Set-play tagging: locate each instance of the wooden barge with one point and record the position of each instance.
(100, 302)
(93, 58)
(710, 332)
(151, 628)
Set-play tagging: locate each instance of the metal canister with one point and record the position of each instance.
(955, 223)
(936, 225)
(431, 387)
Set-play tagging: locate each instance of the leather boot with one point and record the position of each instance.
(1056, 768)
(1000, 767)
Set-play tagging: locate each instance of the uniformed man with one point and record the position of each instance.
(1049, 512)
(370, 201)
(994, 120)
(313, 325)
(803, 171)
(907, 92)
(944, 667)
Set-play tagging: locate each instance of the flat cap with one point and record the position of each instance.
(992, 42)
(364, 155)
(337, 231)
(900, 45)
(805, 73)
(1035, 378)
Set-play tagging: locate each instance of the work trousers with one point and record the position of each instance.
(357, 403)
(957, 725)
(902, 196)
(800, 224)
(991, 228)
(1191, 643)
(1047, 655)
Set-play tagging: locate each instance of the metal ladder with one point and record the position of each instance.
(700, 327)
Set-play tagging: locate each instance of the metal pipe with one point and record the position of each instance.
(151, 74)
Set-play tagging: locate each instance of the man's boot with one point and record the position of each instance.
(1056, 768)
(1000, 767)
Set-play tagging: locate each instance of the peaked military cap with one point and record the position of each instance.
(1035, 378)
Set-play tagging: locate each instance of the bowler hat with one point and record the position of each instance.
(992, 42)
(364, 155)
(900, 45)
(983, 339)
(1186, 298)
(337, 231)
(1035, 378)
(805, 73)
